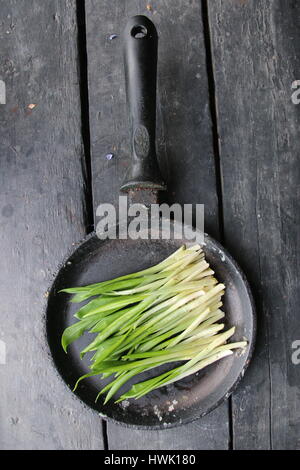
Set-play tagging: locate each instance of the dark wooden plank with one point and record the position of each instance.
(42, 212)
(209, 433)
(184, 147)
(256, 59)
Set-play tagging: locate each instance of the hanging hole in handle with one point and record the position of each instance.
(139, 32)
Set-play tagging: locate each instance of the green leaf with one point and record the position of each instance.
(90, 374)
(76, 330)
(93, 306)
(106, 349)
(143, 387)
(160, 315)
(117, 384)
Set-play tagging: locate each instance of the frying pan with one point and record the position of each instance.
(95, 260)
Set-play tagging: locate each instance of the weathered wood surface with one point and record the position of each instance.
(256, 58)
(185, 149)
(42, 212)
(45, 207)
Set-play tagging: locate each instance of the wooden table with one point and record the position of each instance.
(228, 137)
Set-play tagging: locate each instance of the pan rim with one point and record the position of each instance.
(182, 421)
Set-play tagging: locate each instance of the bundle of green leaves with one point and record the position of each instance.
(168, 313)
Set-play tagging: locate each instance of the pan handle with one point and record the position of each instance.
(140, 60)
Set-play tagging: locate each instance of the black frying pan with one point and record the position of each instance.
(95, 260)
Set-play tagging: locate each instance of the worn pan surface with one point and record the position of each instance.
(96, 260)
